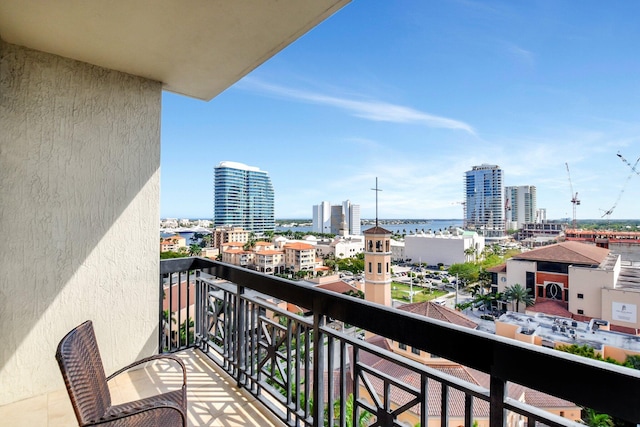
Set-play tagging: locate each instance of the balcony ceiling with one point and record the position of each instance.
(196, 48)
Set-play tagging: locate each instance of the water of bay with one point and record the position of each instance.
(396, 226)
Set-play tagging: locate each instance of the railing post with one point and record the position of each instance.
(239, 334)
(318, 369)
(496, 404)
(161, 316)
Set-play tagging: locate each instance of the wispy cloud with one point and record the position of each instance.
(374, 110)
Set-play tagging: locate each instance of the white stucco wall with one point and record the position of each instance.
(517, 273)
(79, 214)
(589, 282)
(433, 249)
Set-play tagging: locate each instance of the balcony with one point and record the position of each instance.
(253, 362)
(300, 363)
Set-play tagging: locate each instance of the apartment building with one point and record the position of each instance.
(173, 243)
(521, 206)
(484, 200)
(243, 197)
(300, 257)
(227, 234)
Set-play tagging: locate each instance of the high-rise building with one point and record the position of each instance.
(353, 220)
(484, 200)
(520, 205)
(321, 218)
(243, 197)
(331, 219)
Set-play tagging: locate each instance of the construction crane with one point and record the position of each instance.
(507, 209)
(464, 212)
(608, 212)
(633, 168)
(574, 198)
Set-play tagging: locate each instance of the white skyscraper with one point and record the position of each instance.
(321, 218)
(329, 219)
(520, 205)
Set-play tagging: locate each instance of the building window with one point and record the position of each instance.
(369, 267)
(402, 346)
(580, 296)
(415, 350)
(562, 413)
(580, 311)
(379, 268)
(387, 267)
(540, 292)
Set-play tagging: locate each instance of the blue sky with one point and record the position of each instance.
(416, 93)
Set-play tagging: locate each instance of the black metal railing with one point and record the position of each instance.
(285, 343)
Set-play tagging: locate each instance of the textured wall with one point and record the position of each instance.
(79, 214)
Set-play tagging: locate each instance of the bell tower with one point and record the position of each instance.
(377, 262)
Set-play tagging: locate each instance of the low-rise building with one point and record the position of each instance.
(552, 331)
(397, 250)
(446, 247)
(226, 234)
(300, 257)
(173, 243)
(347, 246)
(625, 243)
(539, 232)
(587, 281)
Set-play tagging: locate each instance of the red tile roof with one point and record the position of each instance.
(233, 244)
(339, 287)
(567, 252)
(269, 252)
(376, 230)
(502, 268)
(439, 312)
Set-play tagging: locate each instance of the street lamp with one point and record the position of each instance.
(456, 304)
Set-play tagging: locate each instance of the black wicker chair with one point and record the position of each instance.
(81, 366)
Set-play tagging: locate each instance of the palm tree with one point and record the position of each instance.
(207, 240)
(470, 252)
(518, 294)
(595, 419)
(195, 250)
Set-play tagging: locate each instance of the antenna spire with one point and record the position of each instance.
(376, 190)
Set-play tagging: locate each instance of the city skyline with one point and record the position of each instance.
(416, 94)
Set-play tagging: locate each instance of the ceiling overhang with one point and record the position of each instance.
(196, 48)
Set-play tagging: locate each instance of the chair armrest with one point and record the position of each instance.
(159, 405)
(151, 359)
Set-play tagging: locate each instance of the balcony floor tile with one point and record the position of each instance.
(213, 398)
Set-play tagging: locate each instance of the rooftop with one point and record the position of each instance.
(569, 331)
(567, 252)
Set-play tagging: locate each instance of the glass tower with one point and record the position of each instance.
(243, 197)
(520, 204)
(484, 200)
